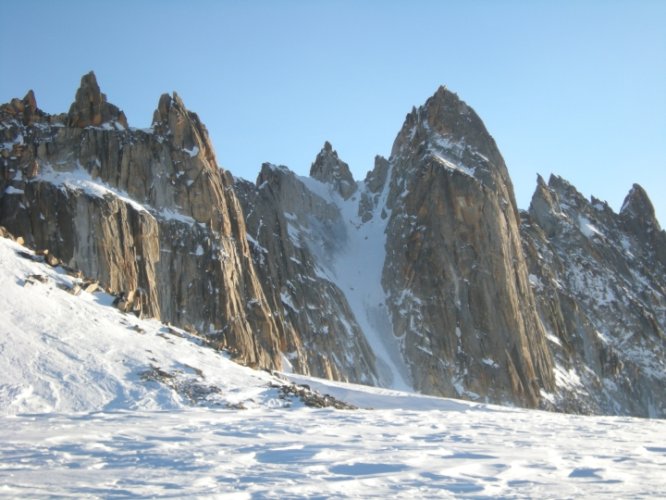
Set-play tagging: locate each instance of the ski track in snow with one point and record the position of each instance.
(78, 420)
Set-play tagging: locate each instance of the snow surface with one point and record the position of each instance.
(82, 416)
(80, 179)
(77, 353)
(192, 152)
(587, 228)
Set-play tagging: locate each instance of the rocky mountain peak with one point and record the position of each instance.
(638, 208)
(167, 105)
(443, 116)
(29, 104)
(638, 218)
(90, 107)
(448, 132)
(25, 110)
(431, 285)
(544, 205)
(565, 190)
(329, 168)
(183, 127)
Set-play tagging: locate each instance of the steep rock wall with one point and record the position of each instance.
(455, 272)
(140, 210)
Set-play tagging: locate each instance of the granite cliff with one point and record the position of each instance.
(146, 212)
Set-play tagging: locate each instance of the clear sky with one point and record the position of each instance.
(576, 88)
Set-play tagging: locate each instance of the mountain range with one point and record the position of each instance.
(425, 276)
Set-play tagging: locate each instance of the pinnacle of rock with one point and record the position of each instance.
(329, 168)
(90, 107)
(25, 109)
(185, 129)
(638, 208)
(446, 127)
(30, 101)
(167, 105)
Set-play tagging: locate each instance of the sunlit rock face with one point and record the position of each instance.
(455, 274)
(140, 210)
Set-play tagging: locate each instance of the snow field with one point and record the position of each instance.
(304, 453)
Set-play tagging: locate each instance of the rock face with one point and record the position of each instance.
(424, 276)
(144, 212)
(90, 107)
(455, 275)
(294, 235)
(599, 281)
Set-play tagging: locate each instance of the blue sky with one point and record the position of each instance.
(576, 88)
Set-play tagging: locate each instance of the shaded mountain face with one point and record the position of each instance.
(424, 276)
(293, 233)
(599, 281)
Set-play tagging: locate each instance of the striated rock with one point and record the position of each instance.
(146, 213)
(455, 273)
(329, 169)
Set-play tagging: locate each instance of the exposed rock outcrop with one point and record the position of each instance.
(600, 291)
(294, 234)
(91, 108)
(424, 276)
(330, 169)
(147, 212)
(455, 274)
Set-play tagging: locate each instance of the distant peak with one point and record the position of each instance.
(638, 208)
(329, 168)
(24, 109)
(169, 104)
(30, 101)
(90, 106)
(90, 80)
(444, 94)
(637, 199)
(161, 114)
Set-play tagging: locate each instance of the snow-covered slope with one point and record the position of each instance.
(96, 403)
(61, 352)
